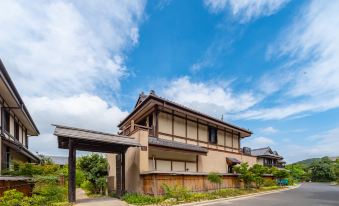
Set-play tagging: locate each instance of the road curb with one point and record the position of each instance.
(207, 202)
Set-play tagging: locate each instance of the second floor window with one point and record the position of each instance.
(6, 120)
(212, 135)
(16, 130)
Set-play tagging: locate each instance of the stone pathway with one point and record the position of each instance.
(84, 200)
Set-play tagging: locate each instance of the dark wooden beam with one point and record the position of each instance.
(123, 173)
(156, 121)
(71, 171)
(118, 176)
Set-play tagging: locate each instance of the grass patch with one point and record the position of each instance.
(140, 199)
(172, 195)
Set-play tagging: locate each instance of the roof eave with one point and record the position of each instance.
(151, 96)
(17, 96)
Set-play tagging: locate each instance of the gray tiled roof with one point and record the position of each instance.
(266, 151)
(176, 145)
(233, 160)
(59, 160)
(84, 134)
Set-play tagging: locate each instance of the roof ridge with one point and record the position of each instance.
(152, 94)
(92, 131)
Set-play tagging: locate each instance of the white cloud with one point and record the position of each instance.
(212, 98)
(67, 47)
(309, 81)
(246, 10)
(61, 53)
(320, 145)
(269, 130)
(84, 111)
(258, 142)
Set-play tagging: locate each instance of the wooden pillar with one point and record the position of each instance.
(71, 171)
(118, 175)
(123, 173)
(156, 121)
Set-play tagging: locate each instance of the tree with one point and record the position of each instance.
(258, 171)
(297, 172)
(94, 167)
(323, 170)
(336, 169)
(244, 174)
(281, 174)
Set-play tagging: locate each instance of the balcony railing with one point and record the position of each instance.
(12, 138)
(274, 165)
(132, 129)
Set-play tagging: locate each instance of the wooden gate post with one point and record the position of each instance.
(118, 175)
(123, 159)
(71, 172)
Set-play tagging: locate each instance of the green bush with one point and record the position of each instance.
(79, 177)
(269, 183)
(30, 169)
(87, 186)
(177, 192)
(13, 198)
(94, 168)
(258, 171)
(139, 199)
(245, 174)
(51, 193)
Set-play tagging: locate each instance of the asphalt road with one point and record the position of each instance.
(308, 194)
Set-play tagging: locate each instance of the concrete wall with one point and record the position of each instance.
(191, 131)
(215, 161)
(260, 161)
(136, 162)
(166, 161)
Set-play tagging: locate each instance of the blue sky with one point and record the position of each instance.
(270, 66)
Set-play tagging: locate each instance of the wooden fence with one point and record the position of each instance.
(152, 183)
(24, 185)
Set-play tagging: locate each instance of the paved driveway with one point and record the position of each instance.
(83, 200)
(309, 194)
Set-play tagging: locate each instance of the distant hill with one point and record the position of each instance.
(307, 161)
(311, 160)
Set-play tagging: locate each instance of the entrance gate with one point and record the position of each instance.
(93, 141)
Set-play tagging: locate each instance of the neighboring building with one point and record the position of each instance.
(16, 124)
(58, 160)
(267, 157)
(178, 140)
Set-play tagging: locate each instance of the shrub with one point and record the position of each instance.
(30, 169)
(258, 172)
(87, 186)
(244, 174)
(94, 167)
(177, 192)
(51, 193)
(79, 177)
(269, 183)
(13, 198)
(140, 199)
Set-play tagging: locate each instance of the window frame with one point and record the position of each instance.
(16, 130)
(7, 121)
(210, 129)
